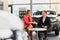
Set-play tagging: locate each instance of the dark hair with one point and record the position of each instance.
(44, 11)
(27, 12)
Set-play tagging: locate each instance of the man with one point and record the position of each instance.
(44, 22)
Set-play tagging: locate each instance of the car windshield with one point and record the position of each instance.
(48, 13)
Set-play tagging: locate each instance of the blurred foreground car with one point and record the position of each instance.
(8, 23)
(53, 17)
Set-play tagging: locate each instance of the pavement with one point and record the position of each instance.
(51, 36)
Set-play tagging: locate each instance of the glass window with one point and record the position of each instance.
(40, 1)
(17, 8)
(58, 8)
(39, 7)
(54, 7)
(54, 0)
(58, 0)
(10, 2)
(21, 1)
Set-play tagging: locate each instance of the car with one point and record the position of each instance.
(53, 17)
(59, 19)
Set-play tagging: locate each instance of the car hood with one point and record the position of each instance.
(37, 16)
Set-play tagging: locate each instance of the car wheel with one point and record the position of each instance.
(56, 32)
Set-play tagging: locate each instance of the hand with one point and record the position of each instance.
(34, 22)
(45, 27)
(30, 26)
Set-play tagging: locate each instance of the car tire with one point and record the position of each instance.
(56, 32)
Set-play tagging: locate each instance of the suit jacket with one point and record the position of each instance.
(27, 21)
(47, 22)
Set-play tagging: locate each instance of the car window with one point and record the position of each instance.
(37, 13)
(48, 13)
(51, 13)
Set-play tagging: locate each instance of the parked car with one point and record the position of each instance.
(59, 20)
(53, 17)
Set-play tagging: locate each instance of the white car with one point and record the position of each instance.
(53, 17)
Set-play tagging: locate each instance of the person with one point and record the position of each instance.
(28, 23)
(44, 22)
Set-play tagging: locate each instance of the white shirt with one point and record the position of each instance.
(44, 19)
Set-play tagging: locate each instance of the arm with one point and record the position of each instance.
(26, 21)
(49, 23)
(31, 18)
